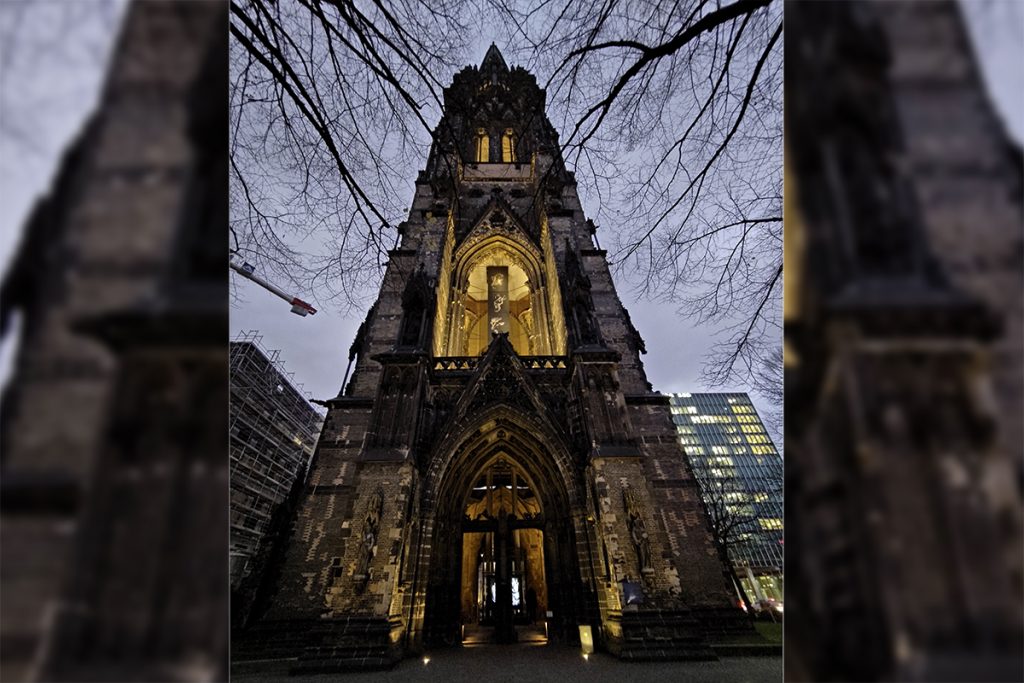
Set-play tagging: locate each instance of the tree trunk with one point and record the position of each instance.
(724, 553)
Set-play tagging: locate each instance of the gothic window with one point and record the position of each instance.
(496, 282)
(508, 146)
(497, 298)
(483, 146)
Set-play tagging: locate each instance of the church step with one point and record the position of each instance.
(662, 635)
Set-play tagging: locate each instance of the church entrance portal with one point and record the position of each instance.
(503, 591)
(504, 563)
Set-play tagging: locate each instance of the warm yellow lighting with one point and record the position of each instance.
(508, 147)
(586, 657)
(426, 660)
(586, 640)
(483, 146)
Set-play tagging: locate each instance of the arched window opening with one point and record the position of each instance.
(497, 299)
(483, 146)
(497, 284)
(508, 146)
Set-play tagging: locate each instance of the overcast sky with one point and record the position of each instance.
(316, 347)
(48, 88)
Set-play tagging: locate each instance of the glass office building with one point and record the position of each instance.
(740, 475)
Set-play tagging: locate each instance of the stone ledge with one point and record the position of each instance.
(347, 402)
(647, 399)
(747, 650)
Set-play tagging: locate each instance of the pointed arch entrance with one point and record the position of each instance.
(503, 583)
(506, 518)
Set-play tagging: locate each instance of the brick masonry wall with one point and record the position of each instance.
(128, 169)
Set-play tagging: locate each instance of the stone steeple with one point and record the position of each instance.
(499, 403)
(493, 61)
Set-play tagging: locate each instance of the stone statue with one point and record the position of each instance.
(637, 529)
(371, 529)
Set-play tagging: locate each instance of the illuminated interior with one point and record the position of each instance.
(483, 146)
(471, 308)
(477, 321)
(502, 490)
(508, 146)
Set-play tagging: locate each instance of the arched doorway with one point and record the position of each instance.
(504, 522)
(504, 587)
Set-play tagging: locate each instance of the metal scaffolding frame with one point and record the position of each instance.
(273, 430)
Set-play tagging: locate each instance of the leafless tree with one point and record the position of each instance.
(331, 105)
(670, 114)
(766, 379)
(672, 117)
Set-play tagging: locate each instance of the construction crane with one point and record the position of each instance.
(299, 307)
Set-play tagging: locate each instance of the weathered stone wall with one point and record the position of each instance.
(318, 534)
(966, 173)
(99, 244)
(676, 498)
(967, 176)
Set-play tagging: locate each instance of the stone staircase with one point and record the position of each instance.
(661, 635)
(319, 645)
(350, 644)
(284, 639)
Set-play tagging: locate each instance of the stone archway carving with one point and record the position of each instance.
(508, 432)
(498, 238)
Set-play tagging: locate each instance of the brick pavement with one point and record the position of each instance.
(511, 664)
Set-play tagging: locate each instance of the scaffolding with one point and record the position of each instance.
(273, 430)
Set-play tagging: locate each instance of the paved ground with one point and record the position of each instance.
(515, 663)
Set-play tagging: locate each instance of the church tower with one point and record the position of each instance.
(498, 467)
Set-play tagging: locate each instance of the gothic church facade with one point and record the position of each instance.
(498, 467)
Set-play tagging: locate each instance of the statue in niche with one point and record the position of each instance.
(637, 529)
(577, 288)
(417, 300)
(371, 529)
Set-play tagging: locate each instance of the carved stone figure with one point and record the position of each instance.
(371, 529)
(637, 529)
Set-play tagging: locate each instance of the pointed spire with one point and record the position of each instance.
(493, 60)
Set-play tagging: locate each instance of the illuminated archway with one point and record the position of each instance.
(503, 573)
(497, 283)
(555, 508)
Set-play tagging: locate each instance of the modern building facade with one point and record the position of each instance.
(272, 434)
(740, 474)
(498, 466)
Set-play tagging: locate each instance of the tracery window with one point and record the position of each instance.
(508, 146)
(483, 146)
